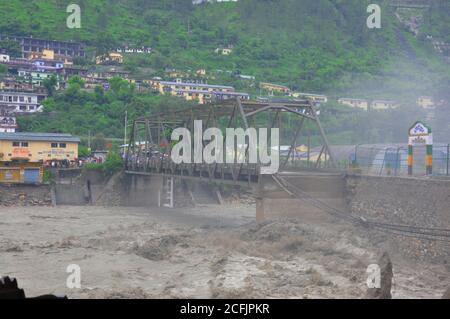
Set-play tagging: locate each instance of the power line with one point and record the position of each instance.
(426, 233)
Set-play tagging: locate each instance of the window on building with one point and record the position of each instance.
(21, 98)
(20, 144)
(62, 145)
(23, 108)
(54, 145)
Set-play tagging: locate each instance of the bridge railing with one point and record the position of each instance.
(163, 164)
(393, 160)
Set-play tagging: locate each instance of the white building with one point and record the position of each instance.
(358, 103)
(383, 105)
(426, 102)
(19, 102)
(4, 58)
(8, 123)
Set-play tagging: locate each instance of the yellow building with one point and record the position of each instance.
(38, 147)
(21, 172)
(194, 95)
(318, 98)
(271, 88)
(201, 72)
(113, 58)
(23, 155)
(45, 54)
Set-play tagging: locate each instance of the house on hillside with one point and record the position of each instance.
(426, 102)
(4, 58)
(271, 88)
(165, 87)
(355, 103)
(383, 105)
(317, 98)
(31, 44)
(20, 102)
(110, 58)
(8, 123)
(50, 55)
(224, 51)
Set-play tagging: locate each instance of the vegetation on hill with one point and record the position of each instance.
(321, 46)
(91, 113)
(102, 113)
(308, 45)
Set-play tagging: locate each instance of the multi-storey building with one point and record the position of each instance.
(11, 83)
(4, 58)
(171, 87)
(272, 88)
(30, 44)
(205, 96)
(383, 105)
(8, 122)
(358, 103)
(23, 155)
(20, 102)
(43, 65)
(36, 78)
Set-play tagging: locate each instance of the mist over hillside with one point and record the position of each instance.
(321, 45)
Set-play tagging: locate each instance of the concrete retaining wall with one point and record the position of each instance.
(329, 189)
(405, 201)
(71, 194)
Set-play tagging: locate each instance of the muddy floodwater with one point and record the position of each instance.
(203, 252)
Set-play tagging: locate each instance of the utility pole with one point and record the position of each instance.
(89, 139)
(125, 131)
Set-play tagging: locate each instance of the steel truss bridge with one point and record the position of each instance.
(149, 147)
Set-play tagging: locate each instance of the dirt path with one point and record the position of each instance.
(204, 252)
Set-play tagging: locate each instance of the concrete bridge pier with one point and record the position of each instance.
(295, 195)
(144, 190)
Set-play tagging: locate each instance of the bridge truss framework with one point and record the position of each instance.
(150, 147)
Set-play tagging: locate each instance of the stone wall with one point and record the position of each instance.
(71, 194)
(404, 201)
(25, 195)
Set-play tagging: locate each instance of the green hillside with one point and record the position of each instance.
(312, 45)
(321, 46)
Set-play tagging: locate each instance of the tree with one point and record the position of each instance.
(98, 142)
(76, 80)
(50, 84)
(12, 48)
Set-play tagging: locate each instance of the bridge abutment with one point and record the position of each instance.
(293, 195)
(144, 190)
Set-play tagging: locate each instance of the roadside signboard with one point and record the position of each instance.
(420, 134)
